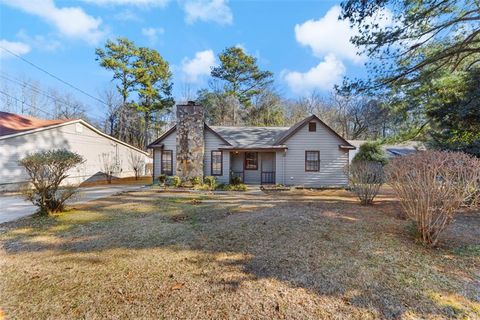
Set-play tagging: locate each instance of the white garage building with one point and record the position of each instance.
(21, 135)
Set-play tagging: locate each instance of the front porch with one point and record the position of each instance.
(253, 167)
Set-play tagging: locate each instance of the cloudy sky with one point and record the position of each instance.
(302, 42)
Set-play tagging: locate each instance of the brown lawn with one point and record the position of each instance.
(296, 255)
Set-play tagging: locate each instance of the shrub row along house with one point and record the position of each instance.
(307, 154)
(21, 135)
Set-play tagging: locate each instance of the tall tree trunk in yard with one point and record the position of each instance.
(145, 133)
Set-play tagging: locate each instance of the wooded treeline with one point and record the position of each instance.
(239, 93)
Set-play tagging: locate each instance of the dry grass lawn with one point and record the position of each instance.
(296, 255)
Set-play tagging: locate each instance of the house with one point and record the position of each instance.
(307, 154)
(22, 135)
(391, 150)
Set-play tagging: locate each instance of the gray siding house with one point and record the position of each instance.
(307, 154)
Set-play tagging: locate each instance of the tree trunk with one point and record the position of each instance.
(147, 124)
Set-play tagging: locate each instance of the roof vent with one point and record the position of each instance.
(191, 103)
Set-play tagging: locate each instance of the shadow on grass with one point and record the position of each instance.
(329, 246)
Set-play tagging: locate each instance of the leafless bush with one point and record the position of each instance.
(432, 185)
(47, 170)
(137, 163)
(366, 178)
(109, 165)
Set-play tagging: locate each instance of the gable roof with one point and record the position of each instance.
(156, 143)
(13, 123)
(297, 126)
(257, 137)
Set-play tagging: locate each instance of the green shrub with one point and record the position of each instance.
(210, 181)
(236, 180)
(371, 152)
(47, 170)
(232, 187)
(177, 181)
(162, 179)
(174, 181)
(196, 181)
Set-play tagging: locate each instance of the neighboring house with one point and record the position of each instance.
(391, 150)
(22, 135)
(306, 154)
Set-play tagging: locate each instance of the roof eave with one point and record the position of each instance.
(253, 148)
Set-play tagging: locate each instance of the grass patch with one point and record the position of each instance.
(302, 254)
(469, 251)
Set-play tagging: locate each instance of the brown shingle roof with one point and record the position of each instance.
(13, 123)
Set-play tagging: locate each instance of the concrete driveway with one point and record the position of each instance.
(13, 207)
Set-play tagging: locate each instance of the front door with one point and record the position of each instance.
(267, 166)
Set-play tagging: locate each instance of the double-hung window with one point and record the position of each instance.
(217, 163)
(312, 160)
(167, 162)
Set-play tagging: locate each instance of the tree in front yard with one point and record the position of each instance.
(47, 170)
(432, 185)
(137, 163)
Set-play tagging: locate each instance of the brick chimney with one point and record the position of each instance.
(190, 140)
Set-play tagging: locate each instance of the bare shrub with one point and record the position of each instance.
(366, 178)
(431, 186)
(137, 163)
(47, 170)
(109, 165)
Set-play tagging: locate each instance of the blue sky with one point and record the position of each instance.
(302, 42)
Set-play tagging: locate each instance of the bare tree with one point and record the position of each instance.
(109, 165)
(137, 163)
(113, 100)
(432, 185)
(65, 106)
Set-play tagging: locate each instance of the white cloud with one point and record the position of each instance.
(198, 66)
(323, 76)
(156, 3)
(127, 15)
(71, 22)
(44, 43)
(207, 10)
(18, 48)
(329, 40)
(331, 35)
(328, 35)
(152, 34)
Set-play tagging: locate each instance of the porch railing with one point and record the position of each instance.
(239, 174)
(268, 177)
